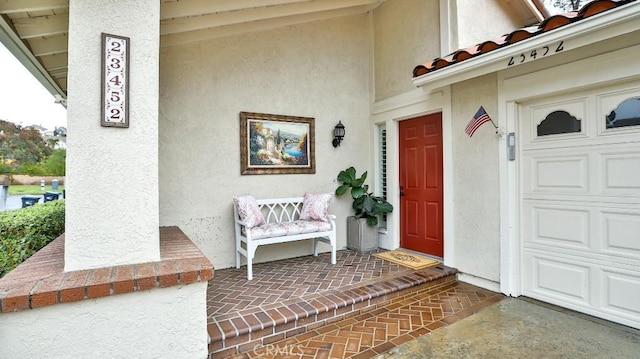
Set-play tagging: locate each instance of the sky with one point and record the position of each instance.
(23, 100)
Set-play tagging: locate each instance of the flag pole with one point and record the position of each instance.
(494, 124)
(499, 132)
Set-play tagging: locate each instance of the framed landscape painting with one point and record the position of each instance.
(276, 144)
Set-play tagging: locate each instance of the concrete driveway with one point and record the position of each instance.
(523, 328)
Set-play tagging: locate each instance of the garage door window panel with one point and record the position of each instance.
(558, 122)
(626, 114)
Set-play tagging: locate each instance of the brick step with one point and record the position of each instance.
(375, 330)
(244, 332)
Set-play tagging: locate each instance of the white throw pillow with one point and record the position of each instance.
(315, 207)
(249, 211)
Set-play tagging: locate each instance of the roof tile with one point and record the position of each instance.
(556, 21)
(491, 45)
(464, 54)
(597, 7)
(521, 34)
(551, 23)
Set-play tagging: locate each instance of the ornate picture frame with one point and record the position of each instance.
(276, 144)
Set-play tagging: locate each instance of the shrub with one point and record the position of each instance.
(31, 168)
(55, 164)
(25, 231)
(4, 168)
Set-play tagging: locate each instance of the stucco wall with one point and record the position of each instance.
(112, 182)
(406, 33)
(319, 70)
(482, 20)
(476, 180)
(160, 323)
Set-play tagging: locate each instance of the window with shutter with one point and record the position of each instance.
(382, 165)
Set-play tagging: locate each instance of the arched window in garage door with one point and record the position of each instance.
(626, 114)
(558, 122)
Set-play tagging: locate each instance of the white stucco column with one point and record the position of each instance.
(112, 173)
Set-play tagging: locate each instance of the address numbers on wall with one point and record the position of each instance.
(536, 53)
(115, 81)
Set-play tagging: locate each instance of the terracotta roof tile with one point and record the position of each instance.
(492, 44)
(464, 54)
(444, 61)
(551, 23)
(597, 7)
(521, 34)
(556, 21)
(421, 69)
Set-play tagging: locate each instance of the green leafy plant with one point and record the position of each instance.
(25, 231)
(365, 203)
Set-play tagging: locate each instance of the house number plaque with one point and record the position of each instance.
(115, 81)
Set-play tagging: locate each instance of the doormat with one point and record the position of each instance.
(407, 259)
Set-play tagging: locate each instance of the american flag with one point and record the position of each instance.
(478, 119)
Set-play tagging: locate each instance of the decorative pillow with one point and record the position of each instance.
(249, 211)
(315, 207)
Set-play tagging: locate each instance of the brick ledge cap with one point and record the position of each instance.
(41, 280)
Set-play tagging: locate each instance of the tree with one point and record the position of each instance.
(55, 165)
(563, 5)
(21, 146)
(52, 142)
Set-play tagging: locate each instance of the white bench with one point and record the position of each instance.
(282, 225)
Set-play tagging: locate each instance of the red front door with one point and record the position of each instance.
(421, 226)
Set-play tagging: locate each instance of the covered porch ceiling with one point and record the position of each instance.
(36, 31)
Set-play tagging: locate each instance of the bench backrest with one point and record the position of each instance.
(277, 210)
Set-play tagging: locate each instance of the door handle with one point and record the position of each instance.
(401, 189)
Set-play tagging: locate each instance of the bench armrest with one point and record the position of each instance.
(240, 222)
(332, 221)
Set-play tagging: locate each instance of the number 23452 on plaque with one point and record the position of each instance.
(115, 81)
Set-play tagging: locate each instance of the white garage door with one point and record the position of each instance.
(580, 201)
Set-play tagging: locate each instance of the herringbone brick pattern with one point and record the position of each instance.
(292, 296)
(307, 308)
(378, 330)
(275, 282)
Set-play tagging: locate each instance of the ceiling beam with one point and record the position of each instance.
(42, 26)
(48, 46)
(59, 74)
(55, 61)
(186, 8)
(236, 17)
(262, 25)
(12, 6)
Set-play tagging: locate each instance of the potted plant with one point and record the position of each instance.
(362, 228)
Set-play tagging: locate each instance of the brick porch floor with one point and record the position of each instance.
(307, 308)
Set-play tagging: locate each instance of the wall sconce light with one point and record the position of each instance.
(338, 134)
